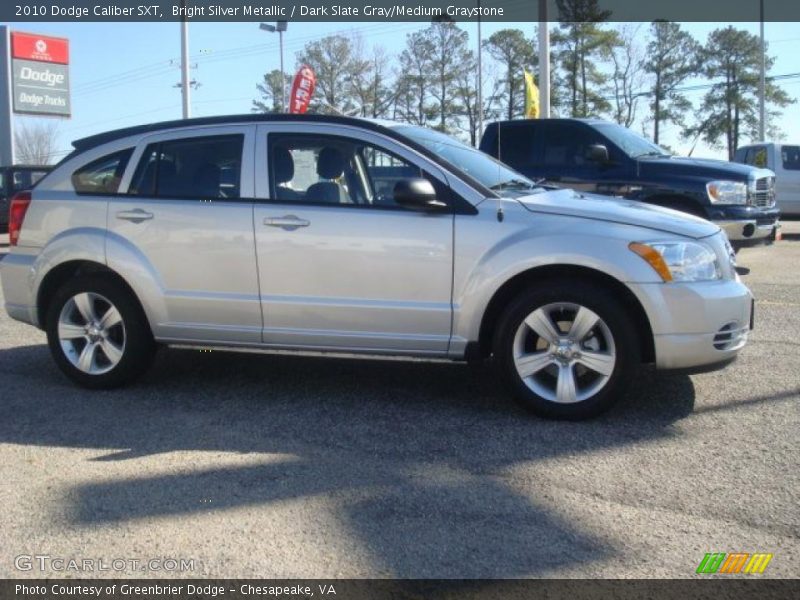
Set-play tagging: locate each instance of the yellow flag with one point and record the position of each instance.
(531, 97)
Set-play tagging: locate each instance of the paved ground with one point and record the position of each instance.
(298, 467)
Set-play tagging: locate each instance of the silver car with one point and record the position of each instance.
(341, 235)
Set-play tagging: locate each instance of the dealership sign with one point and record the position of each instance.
(40, 74)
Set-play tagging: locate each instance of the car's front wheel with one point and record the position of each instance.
(566, 349)
(98, 333)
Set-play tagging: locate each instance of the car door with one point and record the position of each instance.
(565, 159)
(185, 222)
(341, 266)
(787, 178)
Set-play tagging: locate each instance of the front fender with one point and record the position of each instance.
(553, 240)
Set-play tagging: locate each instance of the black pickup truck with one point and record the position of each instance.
(16, 179)
(594, 155)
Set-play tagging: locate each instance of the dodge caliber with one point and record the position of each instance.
(339, 235)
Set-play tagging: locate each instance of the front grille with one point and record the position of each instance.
(763, 192)
(730, 337)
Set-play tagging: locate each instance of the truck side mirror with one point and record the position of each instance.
(597, 153)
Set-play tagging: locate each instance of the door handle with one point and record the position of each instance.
(288, 222)
(137, 215)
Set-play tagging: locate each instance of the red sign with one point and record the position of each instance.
(30, 46)
(302, 90)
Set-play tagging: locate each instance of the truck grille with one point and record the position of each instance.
(763, 192)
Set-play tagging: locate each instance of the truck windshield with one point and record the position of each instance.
(632, 144)
(486, 170)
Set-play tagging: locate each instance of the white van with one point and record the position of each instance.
(784, 161)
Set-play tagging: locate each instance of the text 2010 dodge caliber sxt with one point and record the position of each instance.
(351, 236)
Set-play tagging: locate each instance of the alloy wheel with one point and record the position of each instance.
(91, 333)
(564, 352)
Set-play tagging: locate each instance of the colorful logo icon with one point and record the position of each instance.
(735, 562)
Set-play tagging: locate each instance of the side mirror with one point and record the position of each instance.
(597, 153)
(417, 194)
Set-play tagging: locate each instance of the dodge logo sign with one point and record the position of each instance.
(40, 74)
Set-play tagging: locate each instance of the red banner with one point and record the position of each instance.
(30, 46)
(302, 90)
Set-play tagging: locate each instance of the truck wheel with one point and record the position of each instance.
(566, 349)
(98, 333)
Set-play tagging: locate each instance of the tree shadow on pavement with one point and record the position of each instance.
(415, 453)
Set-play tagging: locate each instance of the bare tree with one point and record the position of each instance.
(36, 142)
(629, 74)
(369, 80)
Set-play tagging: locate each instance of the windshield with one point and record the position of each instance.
(486, 170)
(632, 144)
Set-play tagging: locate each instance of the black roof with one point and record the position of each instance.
(109, 136)
(588, 120)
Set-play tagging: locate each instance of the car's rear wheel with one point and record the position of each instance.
(98, 333)
(566, 349)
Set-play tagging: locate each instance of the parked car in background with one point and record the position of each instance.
(16, 179)
(784, 161)
(308, 232)
(594, 155)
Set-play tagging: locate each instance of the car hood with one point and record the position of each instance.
(700, 167)
(615, 210)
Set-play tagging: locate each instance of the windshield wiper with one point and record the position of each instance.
(515, 184)
(651, 153)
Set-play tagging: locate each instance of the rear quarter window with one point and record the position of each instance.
(103, 175)
(790, 156)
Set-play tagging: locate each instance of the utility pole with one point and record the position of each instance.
(185, 85)
(544, 62)
(762, 88)
(480, 77)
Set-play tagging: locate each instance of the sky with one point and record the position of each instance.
(125, 74)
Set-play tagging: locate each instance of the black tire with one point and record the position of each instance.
(617, 323)
(138, 348)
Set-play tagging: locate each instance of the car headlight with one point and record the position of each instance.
(680, 261)
(727, 192)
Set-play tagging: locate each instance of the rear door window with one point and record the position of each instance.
(103, 175)
(790, 155)
(195, 168)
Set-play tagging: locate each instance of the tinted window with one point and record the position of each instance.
(208, 167)
(25, 180)
(516, 144)
(334, 170)
(102, 176)
(484, 169)
(567, 144)
(791, 157)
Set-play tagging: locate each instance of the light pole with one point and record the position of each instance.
(185, 92)
(280, 27)
(480, 77)
(762, 88)
(544, 62)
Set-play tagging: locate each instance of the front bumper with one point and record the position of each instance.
(697, 324)
(748, 224)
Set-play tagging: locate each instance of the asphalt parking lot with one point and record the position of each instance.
(279, 466)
